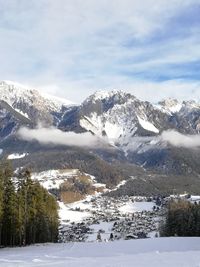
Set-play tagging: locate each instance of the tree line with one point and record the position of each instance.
(182, 219)
(28, 213)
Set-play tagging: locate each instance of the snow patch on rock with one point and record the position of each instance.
(17, 156)
(147, 125)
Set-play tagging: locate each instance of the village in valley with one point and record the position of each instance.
(103, 218)
(98, 216)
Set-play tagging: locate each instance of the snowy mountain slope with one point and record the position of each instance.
(10, 120)
(30, 103)
(185, 115)
(188, 118)
(170, 105)
(12, 92)
(153, 252)
(20, 106)
(52, 179)
(118, 116)
(131, 124)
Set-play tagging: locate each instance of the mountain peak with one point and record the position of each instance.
(115, 95)
(171, 105)
(105, 94)
(12, 92)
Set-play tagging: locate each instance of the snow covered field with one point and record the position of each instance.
(66, 214)
(155, 252)
(131, 207)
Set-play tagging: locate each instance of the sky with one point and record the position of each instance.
(72, 48)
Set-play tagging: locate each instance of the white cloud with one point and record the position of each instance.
(179, 140)
(70, 48)
(55, 136)
(156, 91)
(144, 90)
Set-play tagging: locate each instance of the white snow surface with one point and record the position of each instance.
(120, 184)
(17, 156)
(101, 94)
(152, 252)
(147, 125)
(169, 106)
(113, 131)
(92, 123)
(194, 198)
(169, 109)
(22, 113)
(176, 108)
(131, 207)
(66, 214)
(107, 230)
(12, 92)
(58, 100)
(98, 125)
(54, 178)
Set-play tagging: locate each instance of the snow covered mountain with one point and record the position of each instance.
(169, 105)
(126, 122)
(118, 116)
(30, 103)
(130, 126)
(12, 93)
(21, 106)
(134, 127)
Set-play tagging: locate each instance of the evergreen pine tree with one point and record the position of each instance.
(28, 213)
(9, 220)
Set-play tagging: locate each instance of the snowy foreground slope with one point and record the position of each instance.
(157, 252)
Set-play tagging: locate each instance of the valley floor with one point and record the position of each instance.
(155, 252)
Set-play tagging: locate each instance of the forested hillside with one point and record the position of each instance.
(182, 219)
(28, 213)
